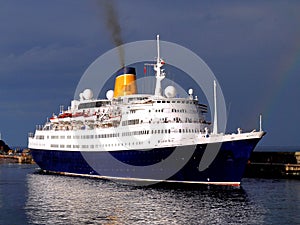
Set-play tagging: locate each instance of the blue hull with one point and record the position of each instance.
(227, 167)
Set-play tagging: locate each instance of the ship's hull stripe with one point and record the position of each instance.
(143, 180)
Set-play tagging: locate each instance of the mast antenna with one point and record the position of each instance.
(158, 50)
(160, 74)
(215, 128)
(260, 122)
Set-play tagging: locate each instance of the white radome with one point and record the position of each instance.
(170, 92)
(87, 94)
(110, 94)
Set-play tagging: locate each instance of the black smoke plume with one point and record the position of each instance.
(113, 25)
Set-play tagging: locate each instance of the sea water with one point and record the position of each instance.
(29, 197)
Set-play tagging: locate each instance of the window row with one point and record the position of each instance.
(130, 122)
(96, 146)
(124, 134)
(182, 102)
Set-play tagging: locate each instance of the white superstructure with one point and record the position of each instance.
(135, 121)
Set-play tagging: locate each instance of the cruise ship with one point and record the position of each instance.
(142, 138)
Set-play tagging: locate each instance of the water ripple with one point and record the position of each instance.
(68, 200)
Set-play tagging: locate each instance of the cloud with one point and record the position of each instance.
(41, 59)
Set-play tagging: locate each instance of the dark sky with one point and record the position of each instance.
(253, 48)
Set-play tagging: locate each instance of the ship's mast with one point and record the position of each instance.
(160, 74)
(215, 126)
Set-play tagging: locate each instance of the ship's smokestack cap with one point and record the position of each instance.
(126, 70)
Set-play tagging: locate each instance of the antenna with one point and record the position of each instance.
(260, 122)
(215, 128)
(160, 75)
(61, 109)
(157, 42)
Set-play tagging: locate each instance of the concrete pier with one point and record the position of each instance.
(22, 158)
(274, 165)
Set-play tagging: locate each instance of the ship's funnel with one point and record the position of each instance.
(125, 82)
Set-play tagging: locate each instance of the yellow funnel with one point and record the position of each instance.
(125, 82)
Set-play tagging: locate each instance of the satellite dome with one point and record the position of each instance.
(110, 94)
(87, 94)
(170, 92)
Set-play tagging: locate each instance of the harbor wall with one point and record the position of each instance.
(273, 165)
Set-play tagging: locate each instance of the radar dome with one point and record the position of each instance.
(110, 94)
(87, 94)
(170, 92)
